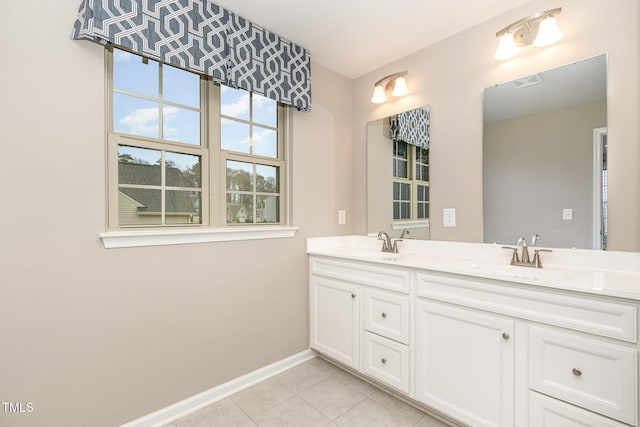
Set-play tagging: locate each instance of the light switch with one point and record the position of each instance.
(567, 214)
(449, 217)
(342, 217)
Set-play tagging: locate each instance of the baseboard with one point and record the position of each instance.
(199, 401)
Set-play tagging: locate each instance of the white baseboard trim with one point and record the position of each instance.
(200, 400)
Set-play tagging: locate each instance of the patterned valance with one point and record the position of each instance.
(411, 127)
(202, 37)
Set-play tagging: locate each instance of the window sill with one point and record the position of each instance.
(129, 239)
(419, 223)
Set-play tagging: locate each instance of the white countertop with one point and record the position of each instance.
(609, 273)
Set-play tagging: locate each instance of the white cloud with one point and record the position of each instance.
(121, 56)
(238, 108)
(144, 121)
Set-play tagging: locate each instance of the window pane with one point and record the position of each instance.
(139, 206)
(396, 210)
(181, 87)
(234, 136)
(420, 210)
(182, 125)
(424, 175)
(138, 166)
(234, 102)
(267, 209)
(405, 209)
(135, 116)
(402, 169)
(267, 179)
(395, 168)
(239, 208)
(402, 149)
(132, 75)
(239, 176)
(396, 191)
(182, 170)
(183, 207)
(264, 142)
(406, 190)
(265, 111)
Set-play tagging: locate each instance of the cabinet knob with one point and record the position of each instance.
(384, 315)
(576, 372)
(505, 335)
(353, 295)
(383, 360)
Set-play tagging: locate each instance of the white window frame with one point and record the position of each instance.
(413, 221)
(213, 167)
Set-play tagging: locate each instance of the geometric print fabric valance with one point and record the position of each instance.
(202, 37)
(412, 127)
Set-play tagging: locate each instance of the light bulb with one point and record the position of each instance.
(506, 47)
(548, 32)
(378, 95)
(400, 87)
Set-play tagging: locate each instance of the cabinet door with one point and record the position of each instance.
(335, 319)
(465, 363)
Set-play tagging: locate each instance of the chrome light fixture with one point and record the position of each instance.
(539, 30)
(391, 85)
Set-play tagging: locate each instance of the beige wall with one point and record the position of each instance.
(97, 337)
(534, 167)
(449, 77)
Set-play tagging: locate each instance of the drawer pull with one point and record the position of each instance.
(384, 315)
(353, 295)
(505, 335)
(383, 360)
(576, 372)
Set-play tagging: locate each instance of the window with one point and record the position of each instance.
(184, 151)
(410, 182)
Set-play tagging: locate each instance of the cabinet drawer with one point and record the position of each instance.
(387, 314)
(386, 360)
(394, 279)
(597, 376)
(547, 412)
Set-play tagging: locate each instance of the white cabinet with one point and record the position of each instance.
(335, 319)
(465, 363)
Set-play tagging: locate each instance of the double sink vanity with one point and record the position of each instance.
(456, 329)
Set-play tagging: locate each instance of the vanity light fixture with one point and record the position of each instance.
(539, 30)
(391, 85)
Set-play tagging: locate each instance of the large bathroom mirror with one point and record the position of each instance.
(545, 157)
(398, 174)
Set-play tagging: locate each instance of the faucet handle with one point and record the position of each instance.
(535, 239)
(514, 257)
(536, 257)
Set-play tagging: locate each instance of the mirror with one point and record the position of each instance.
(544, 157)
(398, 174)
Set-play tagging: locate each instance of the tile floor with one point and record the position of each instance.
(314, 393)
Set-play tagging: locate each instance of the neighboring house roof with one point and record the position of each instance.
(149, 199)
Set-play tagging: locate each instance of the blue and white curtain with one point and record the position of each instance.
(412, 127)
(202, 37)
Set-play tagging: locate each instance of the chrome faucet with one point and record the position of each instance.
(524, 260)
(387, 244)
(405, 232)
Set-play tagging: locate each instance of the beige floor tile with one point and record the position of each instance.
(293, 412)
(261, 397)
(354, 382)
(306, 374)
(332, 396)
(369, 413)
(428, 421)
(224, 413)
(411, 414)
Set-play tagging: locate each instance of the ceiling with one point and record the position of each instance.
(354, 37)
(576, 83)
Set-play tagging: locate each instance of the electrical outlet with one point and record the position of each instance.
(567, 214)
